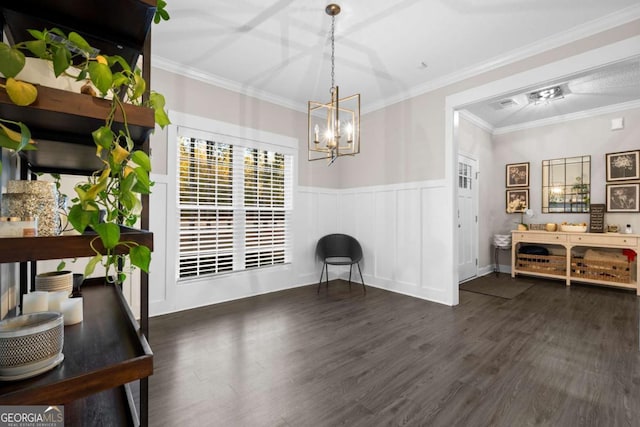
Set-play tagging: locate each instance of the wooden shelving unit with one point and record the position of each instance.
(569, 241)
(59, 118)
(23, 249)
(109, 349)
(103, 352)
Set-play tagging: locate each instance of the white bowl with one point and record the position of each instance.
(30, 344)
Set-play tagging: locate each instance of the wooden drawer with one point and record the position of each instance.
(538, 237)
(604, 240)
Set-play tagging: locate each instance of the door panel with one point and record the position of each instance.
(467, 218)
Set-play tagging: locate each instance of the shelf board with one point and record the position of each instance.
(104, 351)
(536, 273)
(60, 115)
(632, 285)
(22, 249)
(115, 27)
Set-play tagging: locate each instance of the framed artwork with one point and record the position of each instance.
(623, 166)
(623, 197)
(517, 200)
(518, 175)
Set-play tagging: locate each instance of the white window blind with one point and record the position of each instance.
(234, 206)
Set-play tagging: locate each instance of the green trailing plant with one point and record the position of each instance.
(116, 188)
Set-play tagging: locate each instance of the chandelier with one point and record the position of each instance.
(334, 127)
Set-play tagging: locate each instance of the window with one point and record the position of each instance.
(234, 206)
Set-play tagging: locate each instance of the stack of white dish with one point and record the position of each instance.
(55, 281)
(30, 345)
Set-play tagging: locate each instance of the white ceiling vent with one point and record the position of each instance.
(504, 103)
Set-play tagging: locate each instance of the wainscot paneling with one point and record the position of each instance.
(406, 247)
(158, 202)
(406, 244)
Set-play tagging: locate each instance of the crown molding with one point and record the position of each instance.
(567, 117)
(475, 120)
(587, 29)
(231, 85)
(596, 26)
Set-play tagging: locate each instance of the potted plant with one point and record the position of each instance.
(115, 189)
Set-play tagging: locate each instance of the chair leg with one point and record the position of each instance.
(321, 274)
(350, 268)
(363, 287)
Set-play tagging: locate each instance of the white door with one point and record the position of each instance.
(467, 218)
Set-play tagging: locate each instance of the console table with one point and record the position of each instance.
(564, 264)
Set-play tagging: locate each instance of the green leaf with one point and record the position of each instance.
(140, 257)
(80, 42)
(157, 102)
(127, 183)
(38, 35)
(129, 200)
(82, 75)
(117, 59)
(61, 60)
(109, 234)
(140, 85)
(13, 140)
(141, 159)
(80, 219)
(143, 184)
(37, 47)
(103, 137)
(120, 79)
(91, 265)
(61, 266)
(161, 12)
(11, 60)
(101, 76)
(59, 32)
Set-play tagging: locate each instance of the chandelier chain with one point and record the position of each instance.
(333, 52)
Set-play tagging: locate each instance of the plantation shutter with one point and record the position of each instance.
(234, 205)
(267, 212)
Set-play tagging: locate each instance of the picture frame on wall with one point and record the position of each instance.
(623, 166)
(517, 175)
(623, 197)
(517, 200)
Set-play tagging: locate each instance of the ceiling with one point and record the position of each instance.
(614, 86)
(279, 50)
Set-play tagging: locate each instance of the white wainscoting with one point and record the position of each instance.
(403, 236)
(406, 245)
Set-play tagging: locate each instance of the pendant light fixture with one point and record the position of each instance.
(334, 127)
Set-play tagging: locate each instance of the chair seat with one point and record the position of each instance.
(339, 260)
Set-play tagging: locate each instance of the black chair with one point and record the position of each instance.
(339, 249)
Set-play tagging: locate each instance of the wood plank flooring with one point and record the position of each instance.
(552, 356)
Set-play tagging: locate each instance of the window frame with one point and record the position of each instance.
(242, 138)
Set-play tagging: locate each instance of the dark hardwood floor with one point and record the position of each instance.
(552, 356)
